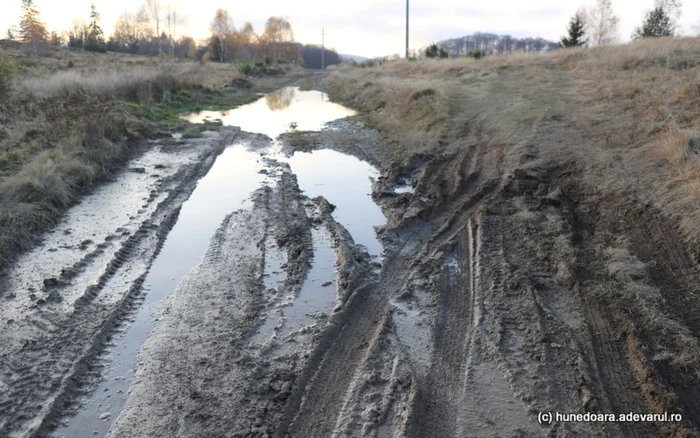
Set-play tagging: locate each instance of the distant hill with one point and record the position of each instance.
(493, 44)
(354, 57)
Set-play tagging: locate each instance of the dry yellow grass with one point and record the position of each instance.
(617, 129)
(675, 342)
(629, 114)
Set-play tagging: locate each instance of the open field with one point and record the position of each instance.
(530, 245)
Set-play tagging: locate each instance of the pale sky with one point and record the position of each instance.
(364, 27)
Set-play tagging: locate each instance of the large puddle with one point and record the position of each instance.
(342, 179)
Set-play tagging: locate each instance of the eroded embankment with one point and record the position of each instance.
(552, 221)
(537, 296)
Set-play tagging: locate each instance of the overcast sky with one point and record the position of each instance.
(364, 27)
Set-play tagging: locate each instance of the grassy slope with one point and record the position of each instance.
(630, 114)
(625, 120)
(73, 117)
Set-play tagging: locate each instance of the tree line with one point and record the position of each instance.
(598, 26)
(154, 30)
(590, 26)
(483, 44)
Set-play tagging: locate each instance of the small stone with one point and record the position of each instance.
(105, 416)
(327, 283)
(555, 345)
(50, 282)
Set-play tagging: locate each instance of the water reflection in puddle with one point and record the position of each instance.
(342, 179)
(345, 182)
(225, 188)
(279, 111)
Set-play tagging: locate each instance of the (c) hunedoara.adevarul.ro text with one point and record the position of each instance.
(631, 417)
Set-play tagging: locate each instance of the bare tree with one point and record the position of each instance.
(154, 10)
(131, 30)
(602, 23)
(278, 31)
(77, 34)
(248, 39)
(173, 19)
(673, 10)
(221, 28)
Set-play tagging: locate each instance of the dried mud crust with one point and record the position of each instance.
(62, 300)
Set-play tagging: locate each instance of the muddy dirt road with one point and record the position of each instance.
(246, 284)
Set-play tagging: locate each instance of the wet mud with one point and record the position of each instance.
(350, 295)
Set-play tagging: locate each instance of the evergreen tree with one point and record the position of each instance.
(432, 51)
(476, 54)
(657, 23)
(56, 39)
(33, 33)
(577, 32)
(95, 37)
(77, 35)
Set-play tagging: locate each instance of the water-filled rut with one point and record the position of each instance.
(248, 175)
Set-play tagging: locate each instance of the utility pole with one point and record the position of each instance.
(406, 29)
(323, 49)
